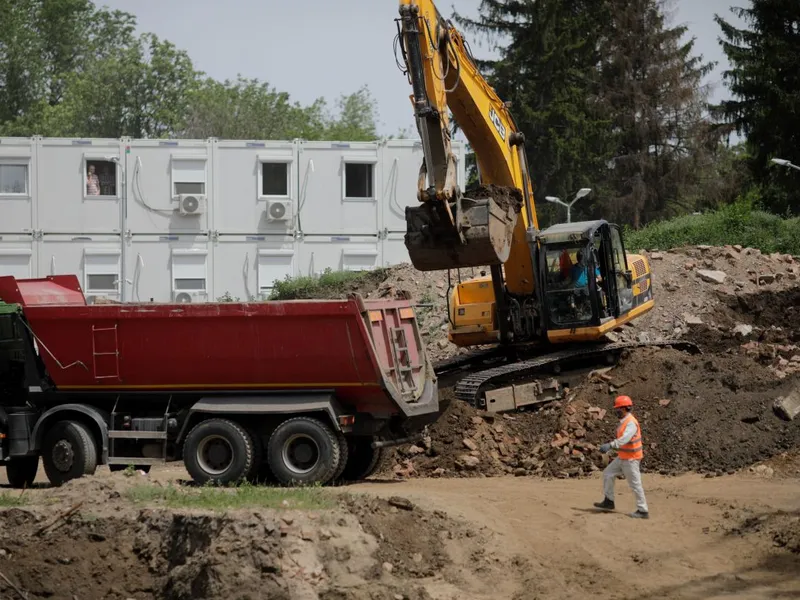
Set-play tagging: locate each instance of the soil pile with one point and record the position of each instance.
(363, 548)
(705, 413)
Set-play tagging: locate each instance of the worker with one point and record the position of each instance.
(628, 445)
(578, 272)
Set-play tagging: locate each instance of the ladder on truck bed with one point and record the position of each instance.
(141, 428)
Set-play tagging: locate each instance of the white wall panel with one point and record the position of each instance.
(17, 184)
(153, 263)
(393, 250)
(95, 259)
(63, 203)
(338, 253)
(332, 202)
(158, 171)
(250, 178)
(245, 267)
(17, 256)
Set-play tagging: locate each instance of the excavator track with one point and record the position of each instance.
(470, 388)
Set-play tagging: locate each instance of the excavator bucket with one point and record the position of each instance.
(485, 221)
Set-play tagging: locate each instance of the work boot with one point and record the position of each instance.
(606, 504)
(639, 514)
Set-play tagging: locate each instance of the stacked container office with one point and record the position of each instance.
(197, 220)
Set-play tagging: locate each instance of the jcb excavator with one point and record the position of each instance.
(570, 283)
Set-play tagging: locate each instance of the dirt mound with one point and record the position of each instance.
(706, 413)
(782, 527)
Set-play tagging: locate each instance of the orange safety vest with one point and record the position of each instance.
(633, 449)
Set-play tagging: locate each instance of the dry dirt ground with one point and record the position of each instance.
(490, 538)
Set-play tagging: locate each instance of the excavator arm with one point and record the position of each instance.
(449, 229)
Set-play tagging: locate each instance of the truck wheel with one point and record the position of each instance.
(218, 451)
(303, 450)
(363, 460)
(22, 471)
(68, 452)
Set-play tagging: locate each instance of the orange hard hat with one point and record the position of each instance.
(623, 401)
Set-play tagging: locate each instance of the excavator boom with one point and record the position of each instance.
(449, 229)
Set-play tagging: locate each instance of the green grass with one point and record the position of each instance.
(10, 499)
(734, 224)
(231, 498)
(330, 284)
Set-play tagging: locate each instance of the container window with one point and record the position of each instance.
(275, 179)
(272, 268)
(13, 179)
(98, 282)
(189, 272)
(358, 180)
(101, 178)
(188, 176)
(102, 272)
(15, 263)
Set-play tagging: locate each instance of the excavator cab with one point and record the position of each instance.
(588, 286)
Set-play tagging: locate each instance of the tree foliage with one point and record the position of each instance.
(765, 84)
(609, 97)
(70, 69)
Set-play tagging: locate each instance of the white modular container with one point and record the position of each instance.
(317, 253)
(96, 259)
(340, 186)
(65, 202)
(17, 255)
(170, 184)
(169, 268)
(255, 187)
(17, 185)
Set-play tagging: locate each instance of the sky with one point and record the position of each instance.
(321, 48)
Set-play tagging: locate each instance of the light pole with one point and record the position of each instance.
(581, 193)
(785, 163)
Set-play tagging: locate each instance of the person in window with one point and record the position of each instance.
(92, 182)
(578, 272)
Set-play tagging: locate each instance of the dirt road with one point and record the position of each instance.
(555, 546)
(500, 538)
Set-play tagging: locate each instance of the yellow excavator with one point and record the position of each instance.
(540, 290)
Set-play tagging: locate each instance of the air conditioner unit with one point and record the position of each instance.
(279, 210)
(187, 297)
(191, 204)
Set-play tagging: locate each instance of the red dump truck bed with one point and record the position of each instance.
(364, 351)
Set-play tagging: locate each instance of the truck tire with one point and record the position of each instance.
(303, 450)
(344, 451)
(363, 459)
(68, 452)
(22, 471)
(218, 451)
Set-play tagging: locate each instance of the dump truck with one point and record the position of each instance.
(292, 392)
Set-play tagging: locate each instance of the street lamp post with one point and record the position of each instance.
(581, 193)
(785, 163)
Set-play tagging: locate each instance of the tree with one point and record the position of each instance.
(547, 70)
(251, 109)
(765, 84)
(651, 88)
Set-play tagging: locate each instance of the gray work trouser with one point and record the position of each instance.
(629, 468)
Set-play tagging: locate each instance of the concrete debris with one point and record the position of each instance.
(692, 319)
(716, 277)
(664, 402)
(788, 408)
(743, 330)
(469, 444)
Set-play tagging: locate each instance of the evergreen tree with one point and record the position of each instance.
(547, 71)
(651, 90)
(764, 80)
